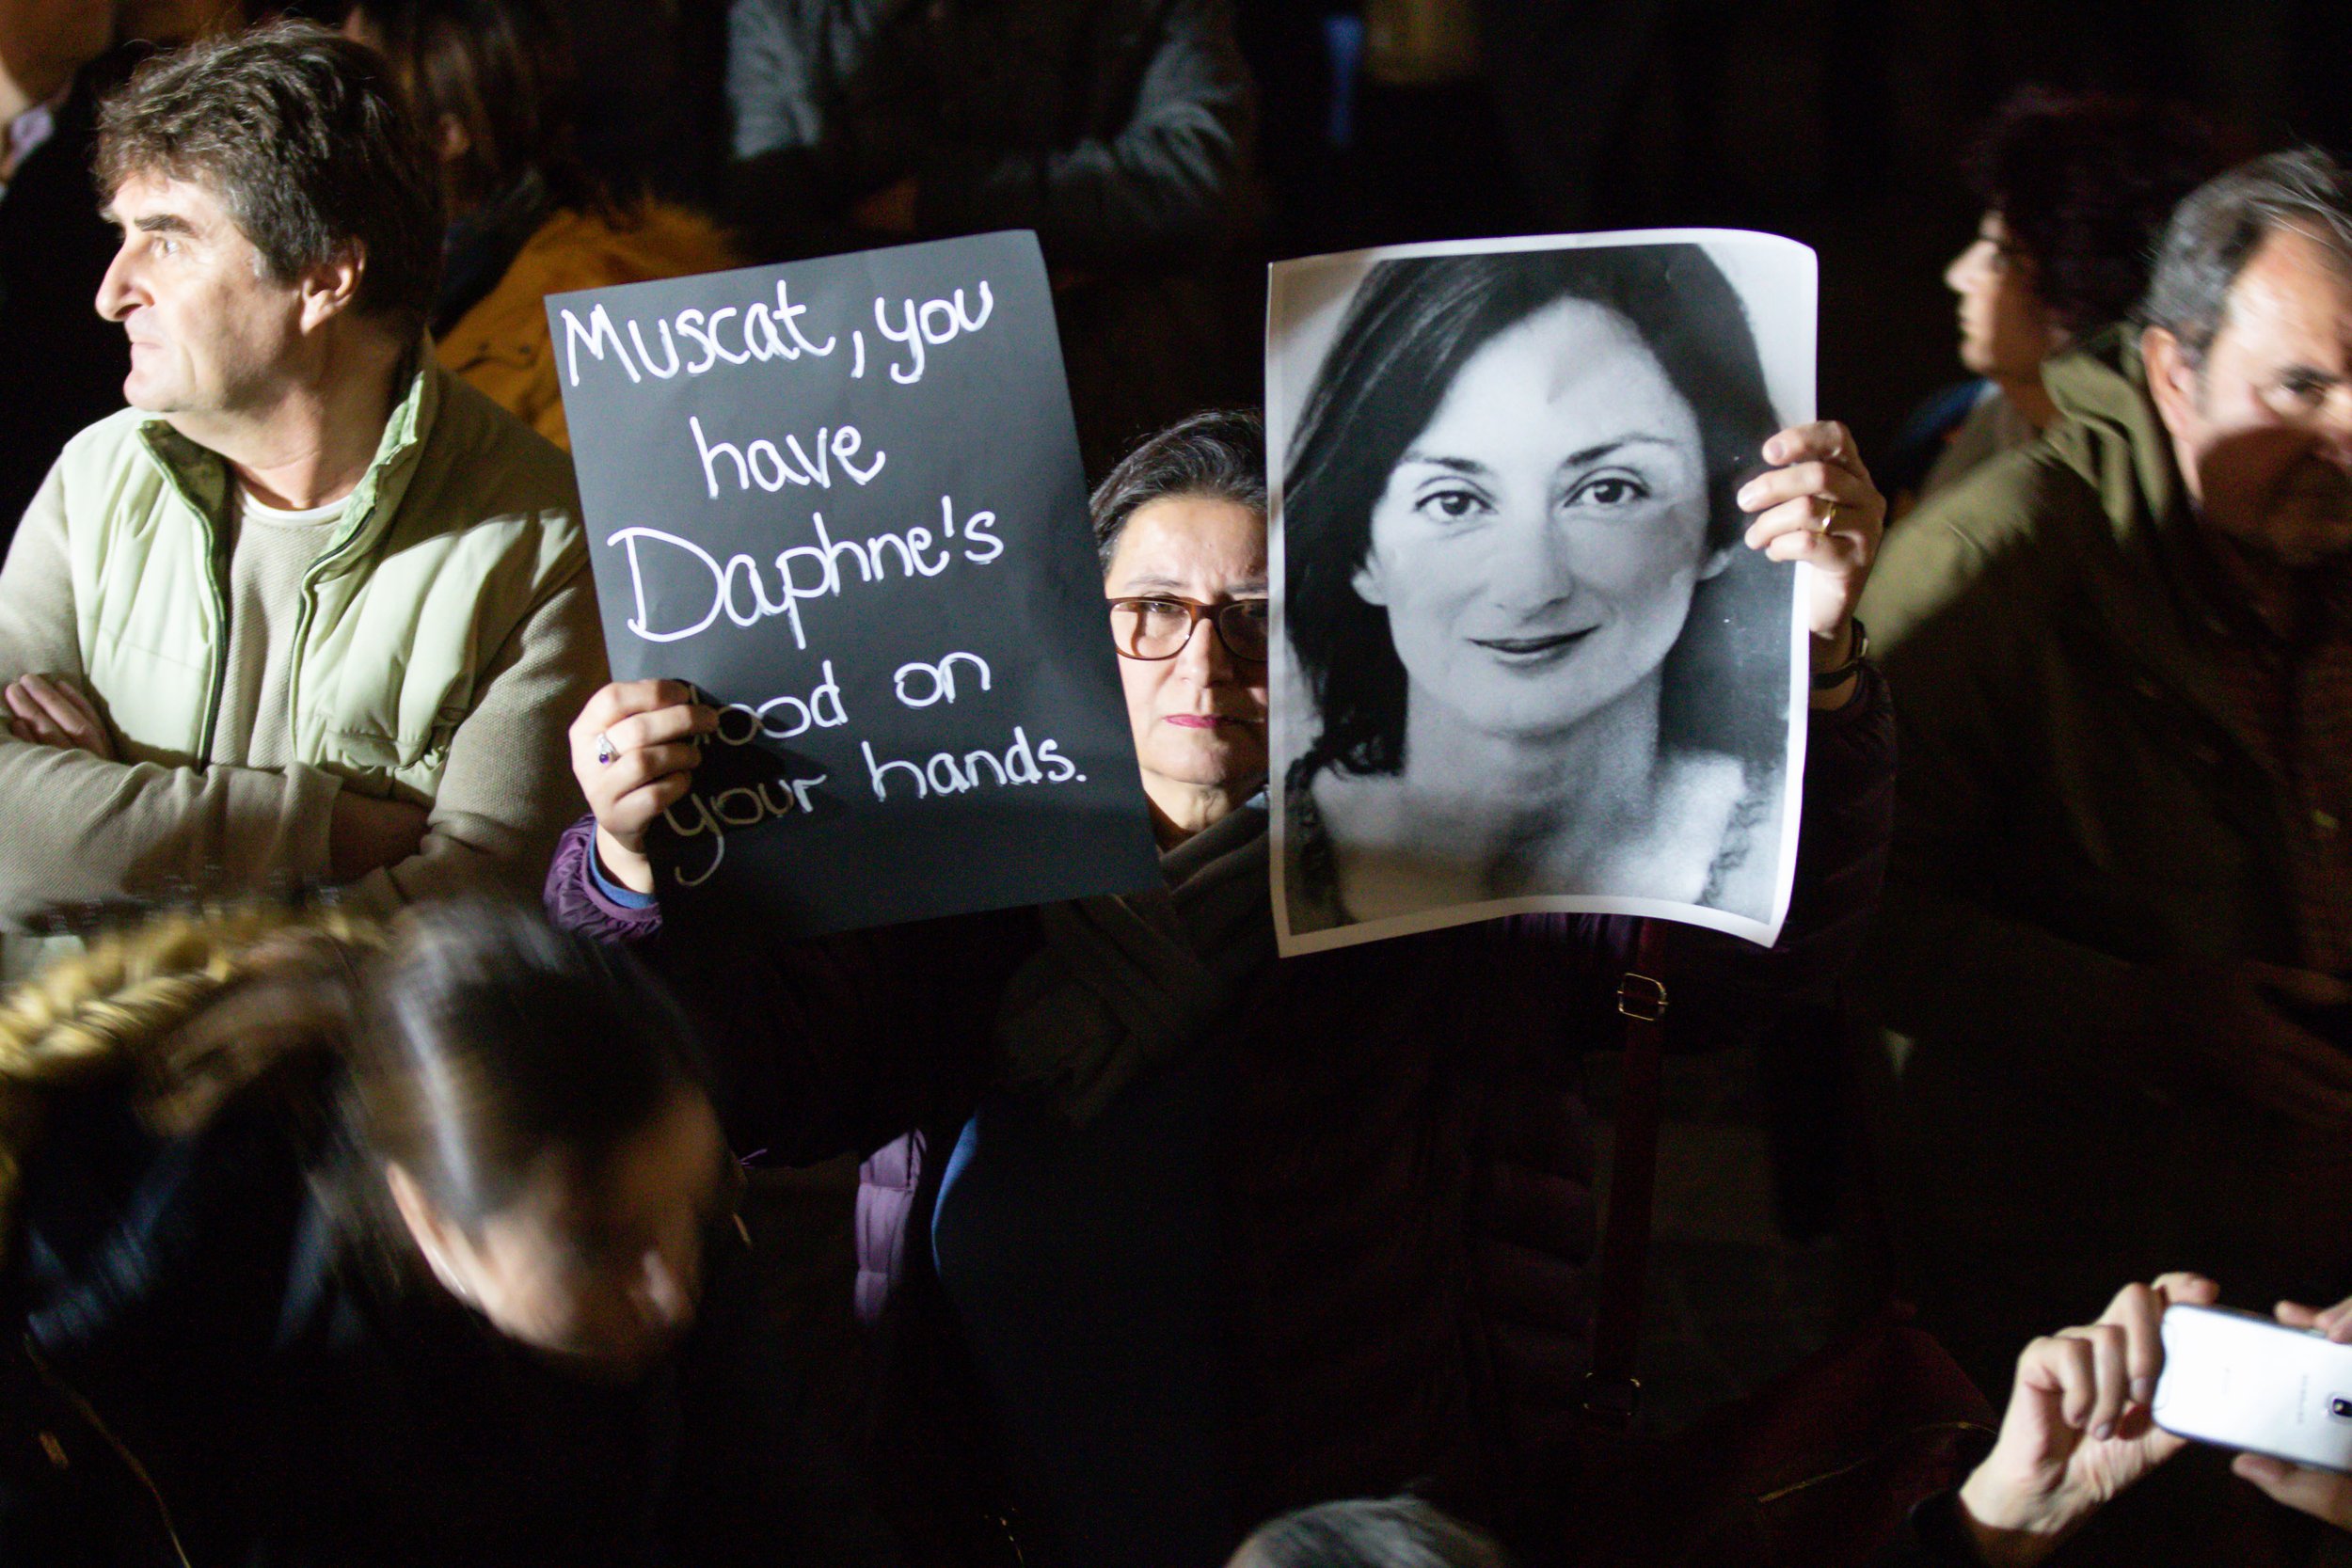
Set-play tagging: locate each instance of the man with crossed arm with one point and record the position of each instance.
(310, 609)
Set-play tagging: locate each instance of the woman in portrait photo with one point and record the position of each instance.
(1539, 660)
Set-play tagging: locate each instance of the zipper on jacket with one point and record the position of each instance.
(351, 531)
(216, 579)
(216, 556)
(88, 1413)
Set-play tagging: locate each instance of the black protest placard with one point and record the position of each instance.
(842, 497)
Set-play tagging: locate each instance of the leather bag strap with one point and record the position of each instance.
(1612, 1392)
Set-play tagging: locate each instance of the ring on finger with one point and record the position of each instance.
(1822, 524)
(605, 756)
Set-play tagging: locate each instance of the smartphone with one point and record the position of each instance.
(2244, 1381)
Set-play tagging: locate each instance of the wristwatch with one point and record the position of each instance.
(1824, 680)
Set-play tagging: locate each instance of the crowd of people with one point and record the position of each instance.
(369, 1155)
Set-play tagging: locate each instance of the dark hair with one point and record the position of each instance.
(491, 1038)
(2084, 182)
(1394, 1532)
(1408, 333)
(1218, 455)
(298, 133)
(467, 1041)
(2222, 224)
(504, 72)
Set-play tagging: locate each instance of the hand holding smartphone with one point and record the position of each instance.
(2096, 1407)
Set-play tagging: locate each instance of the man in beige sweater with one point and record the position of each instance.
(310, 609)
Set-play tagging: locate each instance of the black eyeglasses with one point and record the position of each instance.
(1159, 627)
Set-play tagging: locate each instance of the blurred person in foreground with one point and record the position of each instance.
(1121, 131)
(2074, 190)
(311, 609)
(333, 1244)
(2119, 911)
(492, 83)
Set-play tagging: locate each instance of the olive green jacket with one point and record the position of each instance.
(443, 639)
(2075, 794)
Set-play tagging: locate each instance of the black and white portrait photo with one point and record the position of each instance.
(1525, 662)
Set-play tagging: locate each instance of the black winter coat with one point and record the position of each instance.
(1121, 131)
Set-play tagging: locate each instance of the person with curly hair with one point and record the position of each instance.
(2074, 188)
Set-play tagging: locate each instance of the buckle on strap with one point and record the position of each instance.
(1610, 1401)
(1642, 998)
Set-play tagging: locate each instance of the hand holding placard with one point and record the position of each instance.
(841, 498)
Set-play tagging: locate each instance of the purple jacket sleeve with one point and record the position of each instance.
(574, 901)
(1723, 989)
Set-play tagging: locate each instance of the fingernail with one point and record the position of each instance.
(1745, 491)
(2104, 1430)
(2144, 1389)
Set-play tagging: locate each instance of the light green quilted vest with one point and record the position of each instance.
(463, 524)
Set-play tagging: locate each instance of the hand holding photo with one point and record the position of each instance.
(1535, 655)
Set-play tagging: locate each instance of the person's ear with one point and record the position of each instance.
(443, 1243)
(1716, 561)
(2171, 379)
(1371, 585)
(331, 288)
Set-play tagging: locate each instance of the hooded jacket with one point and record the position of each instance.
(501, 345)
(2083, 820)
(2076, 787)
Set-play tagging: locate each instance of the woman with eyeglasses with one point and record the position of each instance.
(1184, 1237)
(1181, 529)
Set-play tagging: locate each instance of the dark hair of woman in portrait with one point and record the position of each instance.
(494, 83)
(1414, 327)
(334, 1243)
